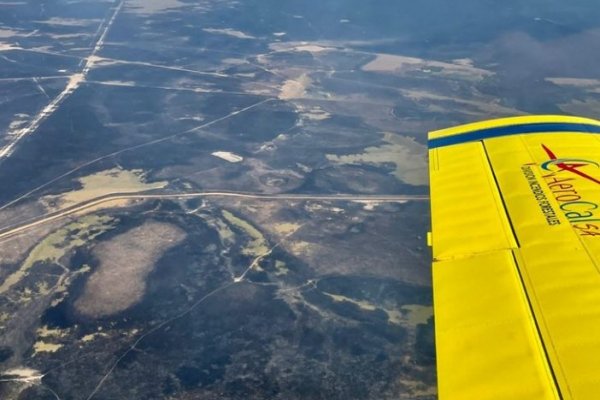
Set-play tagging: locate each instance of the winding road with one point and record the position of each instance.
(13, 230)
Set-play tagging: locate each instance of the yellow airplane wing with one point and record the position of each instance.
(515, 206)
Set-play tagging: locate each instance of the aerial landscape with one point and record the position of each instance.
(209, 199)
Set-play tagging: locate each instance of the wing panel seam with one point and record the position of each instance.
(537, 328)
(499, 200)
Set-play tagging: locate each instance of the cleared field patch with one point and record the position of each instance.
(362, 304)
(416, 314)
(58, 243)
(258, 245)
(228, 156)
(294, 88)
(404, 152)
(401, 64)
(125, 261)
(114, 180)
(407, 315)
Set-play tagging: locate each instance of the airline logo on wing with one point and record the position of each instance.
(571, 165)
(563, 178)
